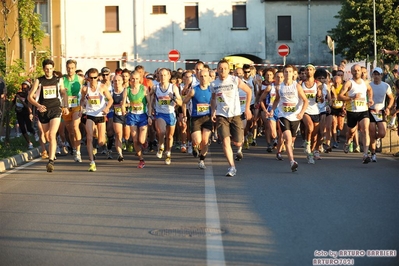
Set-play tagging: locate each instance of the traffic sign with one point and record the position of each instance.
(283, 50)
(174, 55)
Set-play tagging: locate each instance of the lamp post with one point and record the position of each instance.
(375, 36)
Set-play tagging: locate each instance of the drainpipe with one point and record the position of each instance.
(309, 31)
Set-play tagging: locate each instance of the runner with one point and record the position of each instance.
(93, 98)
(201, 123)
(291, 102)
(226, 111)
(165, 97)
(46, 97)
(119, 106)
(73, 84)
(379, 111)
(137, 117)
(358, 96)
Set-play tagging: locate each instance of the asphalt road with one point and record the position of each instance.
(181, 215)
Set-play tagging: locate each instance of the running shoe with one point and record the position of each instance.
(30, 146)
(58, 151)
(328, 149)
(279, 157)
(160, 153)
(168, 159)
(316, 155)
(124, 145)
(357, 150)
(50, 167)
(201, 164)
(269, 148)
(294, 166)
(275, 142)
(335, 145)
(366, 159)
(374, 158)
(104, 151)
(77, 158)
(310, 159)
(120, 158)
(109, 155)
(250, 138)
(239, 156)
(141, 164)
(190, 148)
(92, 167)
(231, 171)
(346, 147)
(253, 143)
(183, 148)
(351, 147)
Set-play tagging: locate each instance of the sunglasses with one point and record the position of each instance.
(93, 77)
(105, 74)
(247, 71)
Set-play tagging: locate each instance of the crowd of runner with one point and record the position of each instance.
(121, 110)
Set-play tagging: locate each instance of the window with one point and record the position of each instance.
(284, 28)
(191, 65)
(41, 7)
(111, 18)
(112, 65)
(239, 15)
(158, 9)
(191, 16)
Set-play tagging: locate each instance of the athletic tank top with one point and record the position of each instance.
(227, 96)
(335, 103)
(311, 93)
(95, 103)
(359, 105)
(73, 90)
(138, 101)
(117, 104)
(164, 103)
(49, 92)
(201, 102)
(290, 104)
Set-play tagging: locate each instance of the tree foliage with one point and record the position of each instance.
(30, 23)
(354, 34)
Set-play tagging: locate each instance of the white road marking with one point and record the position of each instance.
(20, 167)
(214, 242)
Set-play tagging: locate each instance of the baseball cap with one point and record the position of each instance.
(105, 70)
(150, 76)
(27, 83)
(378, 69)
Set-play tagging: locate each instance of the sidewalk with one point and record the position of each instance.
(17, 160)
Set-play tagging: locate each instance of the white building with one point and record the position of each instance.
(98, 32)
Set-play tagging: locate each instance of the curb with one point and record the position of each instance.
(19, 159)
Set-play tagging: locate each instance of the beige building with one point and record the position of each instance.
(51, 24)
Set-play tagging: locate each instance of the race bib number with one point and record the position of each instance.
(219, 97)
(202, 109)
(72, 101)
(310, 95)
(289, 107)
(337, 104)
(243, 100)
(359, 102)
(165, 100)
(118, 109)
(94, 100)
(137, 108)
(378, 116)
(49, 92)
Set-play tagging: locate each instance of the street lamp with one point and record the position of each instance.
(330, 43)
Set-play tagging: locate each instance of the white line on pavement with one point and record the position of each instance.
(20, 167)
(214, 242)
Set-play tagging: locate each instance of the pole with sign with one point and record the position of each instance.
(174, 56)
(283, 50)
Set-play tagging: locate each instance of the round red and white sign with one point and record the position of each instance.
(174, 55)
(283, 50)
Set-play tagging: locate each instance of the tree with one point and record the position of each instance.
(354, 34)
(29, 27)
